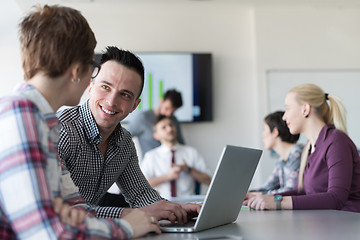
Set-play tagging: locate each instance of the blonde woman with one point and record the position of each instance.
(329, 176)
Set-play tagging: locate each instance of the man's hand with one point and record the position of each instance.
(184, 167)
(170, 211)
(167, 210)
(174, 172)
(142, 223)
(192, 209)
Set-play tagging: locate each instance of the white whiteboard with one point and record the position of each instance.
(343, 83)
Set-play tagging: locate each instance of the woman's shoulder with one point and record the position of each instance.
(68, 114)
(334, 134)
(339, 139)
(16, 105)
(16, 101)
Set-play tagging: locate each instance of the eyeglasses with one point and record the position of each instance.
(95, 69)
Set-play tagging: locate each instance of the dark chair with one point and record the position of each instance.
(197, 188)
(113, 200)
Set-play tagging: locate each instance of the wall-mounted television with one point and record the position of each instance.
(188, 73)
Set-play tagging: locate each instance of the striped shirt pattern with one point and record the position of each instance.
(30, 175)
(93, 173)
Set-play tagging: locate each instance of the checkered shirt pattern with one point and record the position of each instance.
(93, 173)
(30, 175)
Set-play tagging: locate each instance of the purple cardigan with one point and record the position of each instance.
(332, 174)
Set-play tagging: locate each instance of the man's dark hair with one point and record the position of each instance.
(159, 118)
(125, 58)
(174, 97)
(274, 120)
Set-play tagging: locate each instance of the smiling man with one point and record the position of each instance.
(98, 151)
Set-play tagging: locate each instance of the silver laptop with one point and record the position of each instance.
(226, 192)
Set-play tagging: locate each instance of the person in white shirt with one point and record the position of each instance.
(188, 165)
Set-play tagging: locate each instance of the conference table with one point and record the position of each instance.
(278, 225)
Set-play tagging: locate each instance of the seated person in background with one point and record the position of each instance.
(99, 152)
(329, 176)
(172, 168)
(141, 125)
(57, 48)
(276, 136)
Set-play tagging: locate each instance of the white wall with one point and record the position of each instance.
(10, 63)
(246, 42)
(303, 39)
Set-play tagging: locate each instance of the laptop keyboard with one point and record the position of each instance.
(165, 223)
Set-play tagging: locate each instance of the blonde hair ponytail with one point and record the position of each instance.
(333, 112)
(338, 113)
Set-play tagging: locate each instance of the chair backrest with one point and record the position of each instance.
(197, 188)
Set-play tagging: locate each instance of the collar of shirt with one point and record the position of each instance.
(32, 94)
(166, 148)
(91, 129)
(323, 134)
